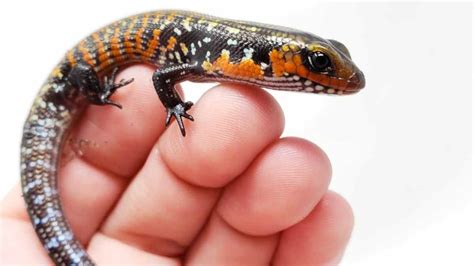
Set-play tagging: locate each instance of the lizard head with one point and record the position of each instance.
(318, 66)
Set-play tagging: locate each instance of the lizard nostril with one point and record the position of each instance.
(357, 80)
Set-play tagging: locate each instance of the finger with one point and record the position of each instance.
(15, 224)
(20, 246)
(161, 212)
(110, 251)
(320, 238)
(117, 143)
(84, 205)
(278, 190)
(233, 124)
(220, 244)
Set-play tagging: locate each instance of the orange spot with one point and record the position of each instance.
(100, 47)
(103, 58)
(171, 16)
(290, 67)
(115, 43)
(302, 71)
(85, 53)
(70, 58)
(278, 63)
(245, 68)
(297, 60)
(171, 43)
(139, 36)
(138, 40)
(128, 44)
(57, 72)
(152, 44)
(156, 18)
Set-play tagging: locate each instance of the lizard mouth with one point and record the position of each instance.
(337, 86)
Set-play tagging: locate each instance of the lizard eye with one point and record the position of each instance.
(319, 61)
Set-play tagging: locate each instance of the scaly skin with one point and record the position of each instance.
(183, 46)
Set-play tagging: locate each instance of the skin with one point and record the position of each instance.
(232, 192)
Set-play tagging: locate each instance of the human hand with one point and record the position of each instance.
(230, 193)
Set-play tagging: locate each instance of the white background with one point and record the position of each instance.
(401, 149)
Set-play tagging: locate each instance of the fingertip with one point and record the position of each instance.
(233, 124)
(319, 239)
(279, 189)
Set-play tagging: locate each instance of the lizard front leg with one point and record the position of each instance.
(86, 80)
(164, 81)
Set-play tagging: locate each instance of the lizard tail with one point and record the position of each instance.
(54, 110)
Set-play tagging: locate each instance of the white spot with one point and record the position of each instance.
(177, 31)
(296, 77)
(75, 258)
(263, 65)
(309, 89)
(319, 88)
(232, 30)
(45, 219)
(231, 42)
(52, 243)
(38, 199)
(206, 40)
(186, 25)
(248, 53)
(52, 107)
(193, 49)
(208, 54)
(307, 82)
(199, 44)
(49, 122)
(178, 57)
(58, 88)
(47, 166)
(331, 91)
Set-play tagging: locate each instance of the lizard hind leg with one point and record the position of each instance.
(84, 77)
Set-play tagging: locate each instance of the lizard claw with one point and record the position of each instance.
(178, 112)
(110, 87)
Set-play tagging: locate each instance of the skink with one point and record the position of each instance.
(182, 46)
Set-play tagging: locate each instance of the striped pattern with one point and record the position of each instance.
(222, 50)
